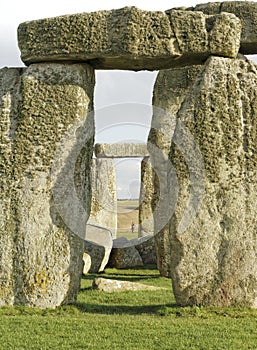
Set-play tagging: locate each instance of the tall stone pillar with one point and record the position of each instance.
(146, 223)
(9, 93)
(46, 144)
(212, 232)
(104, 197)
(170, 90)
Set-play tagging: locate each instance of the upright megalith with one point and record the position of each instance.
(47, 133)
(9, 93)
(130, 38)
(170, 90)
(104, 197)
(145, 214)
(213, 228)
(98, 246)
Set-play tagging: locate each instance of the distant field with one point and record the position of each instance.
(127, 211)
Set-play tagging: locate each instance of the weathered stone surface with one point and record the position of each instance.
(98, 244)
(147, 250)
(99, 256)
(110, 286)
(246, 11)
(44, 110)
(9, 92)
(213, 259)
(170, 90)
(145, 216)
(121, 242)
(121, 150)
(86, 263)
(130, 38)
(124, 255)
(144, 245)
(104, 198)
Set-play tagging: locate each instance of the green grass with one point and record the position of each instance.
(127, 234)
(127, 321)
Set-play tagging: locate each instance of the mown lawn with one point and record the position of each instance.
(127, 320)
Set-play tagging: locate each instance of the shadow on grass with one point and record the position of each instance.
(122, 278)
(122, 309)
(132, 276)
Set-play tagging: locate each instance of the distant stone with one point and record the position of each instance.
(212, 232)
(145, 216)
(104, 197)
(147, 250)
(98, 245)
(121, 150)
(110, 286)
(99, 256)
(130, 38)
(246, 11)
(86, 263)
(124, 255)
(134, 252)
(121, 242)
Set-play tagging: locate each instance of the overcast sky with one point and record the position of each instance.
(113, 87)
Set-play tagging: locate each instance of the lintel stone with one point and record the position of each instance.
(130, 38)
(121, 150)
(246, 11)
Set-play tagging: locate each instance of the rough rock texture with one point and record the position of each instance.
(170, 90)
(9, 92)
(246, 11)
(98, 245)
(121, 150)
(130, 38)
(110, 286)
(146, 249)
(104, 199)
(124, 255)
(145, 216)
(213, 246)
(46, 142)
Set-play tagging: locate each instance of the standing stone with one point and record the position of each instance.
(124, 255)
(170, 90)
(9, 92)
(146, 224)
(46, 143)
(104, 199)
(86, 263)
(98, 245)
(213, 246)
(147, 249)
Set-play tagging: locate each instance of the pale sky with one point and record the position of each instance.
(113, 87)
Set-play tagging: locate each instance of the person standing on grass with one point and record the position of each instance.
(132, 227)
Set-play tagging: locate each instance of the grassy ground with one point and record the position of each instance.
(127, 321)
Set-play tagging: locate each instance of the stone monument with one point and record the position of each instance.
(202, 147)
